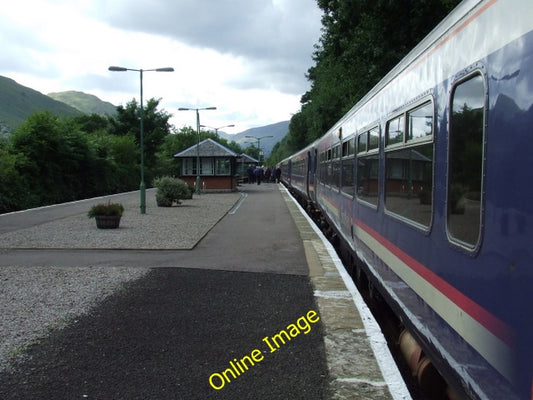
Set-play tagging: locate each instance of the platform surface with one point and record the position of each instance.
(190, 326)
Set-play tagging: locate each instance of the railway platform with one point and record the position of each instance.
(255, 306)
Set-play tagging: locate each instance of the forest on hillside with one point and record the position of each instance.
(361, 41)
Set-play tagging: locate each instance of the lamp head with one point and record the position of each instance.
(117, 69)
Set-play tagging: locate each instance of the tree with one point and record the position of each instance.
(252, 151)
(156, 128)
(361, 41)
(54, 161)
(166, 164)
(117, 162)
(12, 185)
(280, 151)
(91, 123)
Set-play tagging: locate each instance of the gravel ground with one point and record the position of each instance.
(170, 228)
(35, 301)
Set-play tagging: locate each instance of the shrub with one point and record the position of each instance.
(170, 190)
(106, 209)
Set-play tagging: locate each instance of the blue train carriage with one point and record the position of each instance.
(428, 180)
(298, 173)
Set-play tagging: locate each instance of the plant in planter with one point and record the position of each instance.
(170, 190)
(107, 215)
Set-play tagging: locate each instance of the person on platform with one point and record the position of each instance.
(251, 175)
(258, 172)
(277, 174)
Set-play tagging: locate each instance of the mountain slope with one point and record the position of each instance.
(277, 130)
(86, 103)
(18, 102)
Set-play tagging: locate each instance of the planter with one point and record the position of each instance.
(107, 221)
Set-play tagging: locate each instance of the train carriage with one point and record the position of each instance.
(427, 180)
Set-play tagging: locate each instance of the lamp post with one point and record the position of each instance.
(216, 129)
(142, 186)
(259, 143)
(198, 141)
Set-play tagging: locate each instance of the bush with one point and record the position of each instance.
(170, 190)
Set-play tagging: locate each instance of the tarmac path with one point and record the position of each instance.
(166, 334)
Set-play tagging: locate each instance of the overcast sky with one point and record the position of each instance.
(248, 58)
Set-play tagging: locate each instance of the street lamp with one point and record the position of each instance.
(216, 129)
(198, 141)
(142, 186)
(259, 143)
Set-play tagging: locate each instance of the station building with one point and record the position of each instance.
(218, 166)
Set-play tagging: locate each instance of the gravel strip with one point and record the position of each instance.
(166, 228)
(34, 301)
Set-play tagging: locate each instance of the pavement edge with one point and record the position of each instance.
(350, 352)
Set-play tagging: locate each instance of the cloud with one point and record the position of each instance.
(275, 37)
(247, 57)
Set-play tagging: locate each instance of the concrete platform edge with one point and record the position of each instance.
(351, 333)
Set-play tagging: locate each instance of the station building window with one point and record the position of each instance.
(409, 164)
(465, 162)
(223, 166)
(206, 166)
(368, 166)
(189, 166)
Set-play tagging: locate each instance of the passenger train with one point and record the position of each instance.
(428, 183)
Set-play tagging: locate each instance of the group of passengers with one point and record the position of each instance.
(258, 174)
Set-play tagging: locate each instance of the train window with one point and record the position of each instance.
(337, 151)
(395, 131)
(298, 168)
(465, 162)
(368, 166)
(336, 167)
(326, 173)
(362, 143)
(348, 184)
(420, 122)
(347, 177)
(348, 148)
(373, 139)
(322, 167)
(409, 165)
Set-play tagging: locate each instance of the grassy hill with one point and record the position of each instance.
(86, 103)
(18, 102)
